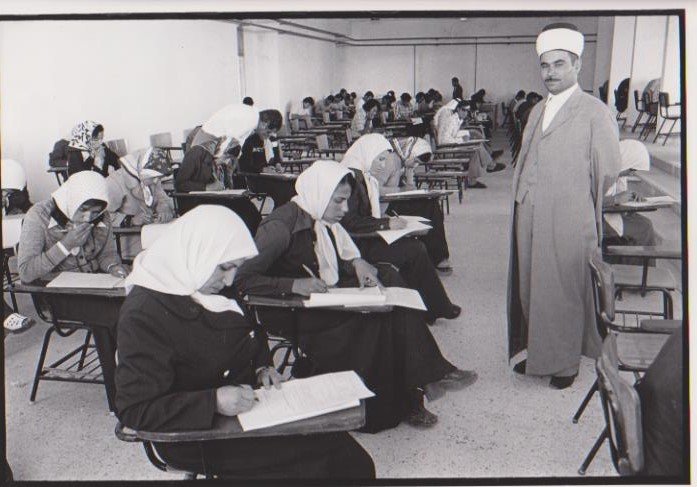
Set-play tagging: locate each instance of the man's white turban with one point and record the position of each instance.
(560, 36)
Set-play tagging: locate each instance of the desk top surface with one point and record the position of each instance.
(212, 195)
(225, 427)
(39, 289)
(295, 301)
(642, 206)
(430, 194)
(290, 177)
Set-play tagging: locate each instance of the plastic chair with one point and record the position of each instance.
(640, 107)
(664, 107)
(118, 146)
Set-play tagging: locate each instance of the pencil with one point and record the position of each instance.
(309, 271)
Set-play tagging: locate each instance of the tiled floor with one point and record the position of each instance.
(504, 425)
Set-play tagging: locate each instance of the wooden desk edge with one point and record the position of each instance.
(225, 427)
(97, 292)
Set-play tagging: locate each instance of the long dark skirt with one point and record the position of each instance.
(392, 352)
(410, 256)
(435, 240)
(330, 455)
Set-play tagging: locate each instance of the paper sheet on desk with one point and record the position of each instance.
(347, 296)
(390, 236)
(304, 398)
(86, 280)
(221, 192)
(659, 199)
(407, 193)
(404, 297)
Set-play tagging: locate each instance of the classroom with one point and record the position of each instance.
(346, 247)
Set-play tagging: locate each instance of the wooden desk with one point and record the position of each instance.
(226, 428)
(94, 310)
(491, 108)
(299, 164)
(280, 187)
(430, 194)
(294, 301)
(441, 178)
(241, 204)
(643, 207)
(60, 173)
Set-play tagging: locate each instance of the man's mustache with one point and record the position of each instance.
(551, 79)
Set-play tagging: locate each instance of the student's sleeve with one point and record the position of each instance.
(33, 260)
(272, 240)
(145, 378)
(355, 222)
(108, 255)
(183, 182)
(110, 159)
(164, 206)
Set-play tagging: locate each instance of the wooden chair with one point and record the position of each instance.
(664, 107)
(11, 231)
(118, 146)
(637, 346)
(622, 412)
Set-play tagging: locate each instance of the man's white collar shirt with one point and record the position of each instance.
(554, 104)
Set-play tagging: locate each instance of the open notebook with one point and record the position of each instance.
(304, 398)
(413, 225)
(86, 280)
(367, 296)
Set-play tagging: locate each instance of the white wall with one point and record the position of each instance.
(135, 77)
(647, 64)
(500, 69)
(603, 50)
(621, 59)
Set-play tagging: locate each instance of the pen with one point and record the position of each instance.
(395, 213)
(309, 271)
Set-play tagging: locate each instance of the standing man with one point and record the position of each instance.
(457, 89)
(569, 157)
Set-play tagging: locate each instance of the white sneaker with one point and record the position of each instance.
(17, 323)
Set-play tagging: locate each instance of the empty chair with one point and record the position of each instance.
(664, 107)
(118, 146)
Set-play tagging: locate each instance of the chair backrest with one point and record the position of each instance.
(602, 90)
(603, 291)
(118, 146)
(163, 139)
(325, 117)
(349, 137)
(294, 125)
(622, 95)
(322, 142)
(622, 411)
(638, 102)
(663, 99)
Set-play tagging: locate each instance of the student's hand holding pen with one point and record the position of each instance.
(233, 400)
(313, 284)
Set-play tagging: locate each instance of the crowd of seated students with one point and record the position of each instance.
(167, 381)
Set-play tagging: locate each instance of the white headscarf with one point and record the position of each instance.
(236, 121)
(315, 187)
(561, 37)
(12, 175)
(633, 155)
(80, 187)
(451, 105)
(187, 253)
(360, 156)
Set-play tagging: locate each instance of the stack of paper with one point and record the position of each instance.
(354, 297)
(390, 236)
(304, 398)
(86, 280)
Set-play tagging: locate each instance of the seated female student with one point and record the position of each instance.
(627, 228)
(208, 165)
(136, 194)
(403, 109)
(369, 155)
(136, 189)
(187, 354)
(393, 352)
(305, 112)
(449, 132)
(15, 201)
(70, 231)
(365, 118)
(86, 150)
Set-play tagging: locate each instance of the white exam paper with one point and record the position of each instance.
(304, 398)
(390, 236)
(86, 280)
